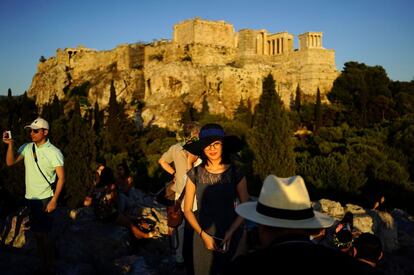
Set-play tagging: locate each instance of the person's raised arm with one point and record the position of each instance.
(10, 159)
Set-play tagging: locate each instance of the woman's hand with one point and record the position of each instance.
(209, 241)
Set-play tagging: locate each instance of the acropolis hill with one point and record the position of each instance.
(204, 61)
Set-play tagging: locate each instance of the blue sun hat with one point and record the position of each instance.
(208, 134)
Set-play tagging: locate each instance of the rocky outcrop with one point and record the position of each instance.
(168, 76)
(87, 246)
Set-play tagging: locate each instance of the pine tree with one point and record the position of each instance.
(298, 99)
(318, 111)
(80, 155)
(271, 139)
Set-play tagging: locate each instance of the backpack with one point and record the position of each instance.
(14, 228)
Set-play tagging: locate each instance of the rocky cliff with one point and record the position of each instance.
(167, 76)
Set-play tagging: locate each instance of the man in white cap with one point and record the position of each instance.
(286, 220)
(43, 164)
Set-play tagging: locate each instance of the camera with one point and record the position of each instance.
(7, 135)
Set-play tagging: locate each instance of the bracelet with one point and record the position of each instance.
(201, 232)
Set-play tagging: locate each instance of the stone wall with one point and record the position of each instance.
(204, 32)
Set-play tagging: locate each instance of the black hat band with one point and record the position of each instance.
(285, 213)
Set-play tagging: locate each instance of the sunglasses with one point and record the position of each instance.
(34, 131)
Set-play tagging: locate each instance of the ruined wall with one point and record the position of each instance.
(247, 41)
(130, 56)
(204, 32)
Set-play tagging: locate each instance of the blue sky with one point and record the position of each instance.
(375, 32)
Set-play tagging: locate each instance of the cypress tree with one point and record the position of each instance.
(28, 109)
(80, 155)
(53, 110)
(298, 99)
(117, 130)
(243, 114)
(11, 109)
(318, 111)
(271, 139)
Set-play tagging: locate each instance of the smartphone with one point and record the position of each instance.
(7, 135)
(223, 247)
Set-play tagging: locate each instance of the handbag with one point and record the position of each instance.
(13, 233)
(175, 215)
(166, 195)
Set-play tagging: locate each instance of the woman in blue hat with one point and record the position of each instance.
(218, 185)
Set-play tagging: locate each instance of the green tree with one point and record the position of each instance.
(318, 111)
(243, 114)
(80, 155)
(117, 130)
(11, 106)
(270, 139)
(298, 99)
(27, 109)
(359, 89)
(53, 110)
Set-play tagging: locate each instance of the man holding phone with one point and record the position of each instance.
(43, 163)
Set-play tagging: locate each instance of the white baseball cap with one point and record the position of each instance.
(38, 123)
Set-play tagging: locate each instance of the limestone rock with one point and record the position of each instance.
(206, 61)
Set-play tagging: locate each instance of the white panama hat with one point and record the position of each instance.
(285, 203)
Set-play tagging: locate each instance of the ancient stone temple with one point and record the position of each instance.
(205, 61)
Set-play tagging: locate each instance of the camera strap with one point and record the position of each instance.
(35, 159)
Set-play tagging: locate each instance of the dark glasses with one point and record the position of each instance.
(34, 130)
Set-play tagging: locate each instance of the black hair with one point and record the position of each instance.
(343, 239)
(348, 219)
(124, 166)
(101, 161)
(368, 247)
(106, 177)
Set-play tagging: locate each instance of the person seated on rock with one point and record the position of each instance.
(103, 198)
(343, 240)
(380, 204)
(368, 250)
(344, 233)
(124, 185)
